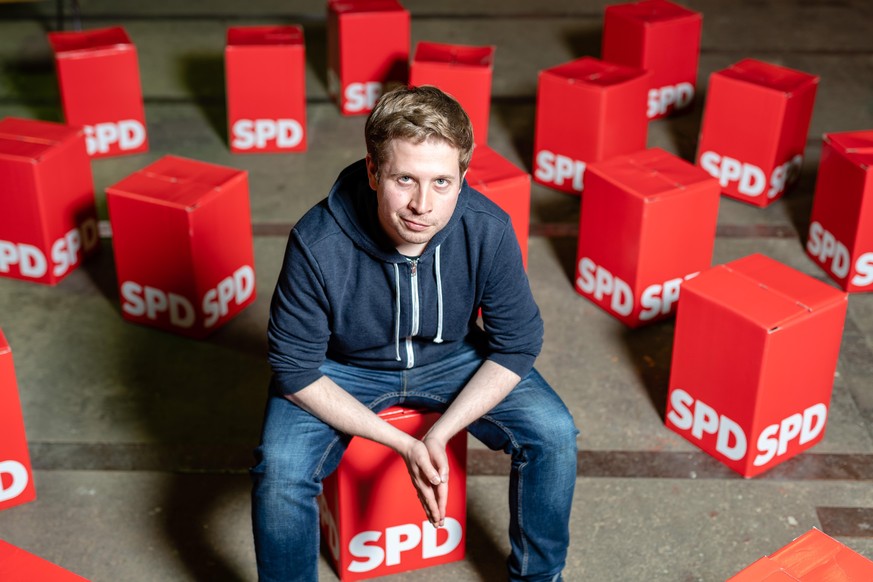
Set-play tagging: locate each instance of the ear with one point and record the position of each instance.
(371, 173)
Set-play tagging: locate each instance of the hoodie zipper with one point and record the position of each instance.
(413, 285)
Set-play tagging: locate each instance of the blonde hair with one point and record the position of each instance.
(418, 114)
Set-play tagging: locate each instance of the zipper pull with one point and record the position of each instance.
(414, 263)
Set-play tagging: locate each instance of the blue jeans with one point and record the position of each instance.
(297, 451)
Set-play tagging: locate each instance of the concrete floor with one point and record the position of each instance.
(140, 439)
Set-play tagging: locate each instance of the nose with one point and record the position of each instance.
(421, 201)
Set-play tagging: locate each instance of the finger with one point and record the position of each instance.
(442, 498)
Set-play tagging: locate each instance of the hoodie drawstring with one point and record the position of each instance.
(396, 312)
(439, 282)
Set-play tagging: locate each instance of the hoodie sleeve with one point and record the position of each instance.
(510, 315)
(298, 331)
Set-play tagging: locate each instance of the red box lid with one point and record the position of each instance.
(177, 181)
(592, 71)
(855, 145)
(769, 75)
(32, 139)
(653, 11)
(488, 168)
(454, 54)
(652, 173)
(66, 44)
(812, 557)
(765, 291)
(351, 6)
(265, 35)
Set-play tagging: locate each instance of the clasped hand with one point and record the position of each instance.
(428, 467)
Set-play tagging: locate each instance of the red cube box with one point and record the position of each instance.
(371, 520)
(462, 71)
(17, 565)
(182, 235)
(587, 111)
(841, 225)
(367, 51)
(265, 74)
(48, 219)
(660, 37)
(647, 223)
(98, 74)
(16, 476)
(754, 356)
(506, 185)
(754, 129)
(812, 557)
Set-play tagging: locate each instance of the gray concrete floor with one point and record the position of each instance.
(140, 439)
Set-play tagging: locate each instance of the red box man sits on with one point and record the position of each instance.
(183, 245)
(507, 186)
(661, 37)
(48, 220)
(841, 225)
(17, 565)
(754, 355)
(587, 111)
(647, 223)
(812, 557)
(266, 89)
(754, 129)
(371, 520)
(464, 72)
(16, 476)
(367, 51)
(98, 73)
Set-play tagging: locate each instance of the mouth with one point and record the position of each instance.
(415, 226)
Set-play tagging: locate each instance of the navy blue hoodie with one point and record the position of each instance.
(345, 293)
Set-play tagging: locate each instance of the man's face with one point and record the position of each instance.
(417, 191)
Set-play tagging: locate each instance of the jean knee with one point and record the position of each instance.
(558, 435)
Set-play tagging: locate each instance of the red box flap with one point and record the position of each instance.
(855, 145)
(653, 11)
(765, 291)
(114, 38)
(769, 75)
(454, 54)
(31, 139)
(488, 168)
(591, 71)
(178, 181)
(652, 173)
(347, 6)
(265, 35)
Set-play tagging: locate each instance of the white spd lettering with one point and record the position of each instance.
(16, 477)
(687, 413)
(237, 288)
(255, 134)
(362, 96)
(556, 169)
(129, 134)
(30, 260)
(824, 246)
(399, 539)
(68, 250)
(598, 282)
(750, 179)
(863, 270)
(773, 440)
(139, 300)
(659, 299)
(669, 98)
